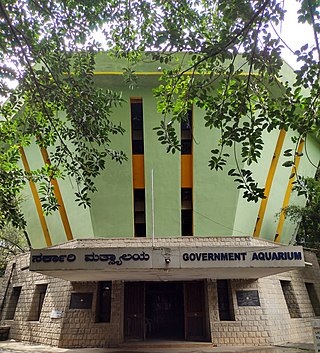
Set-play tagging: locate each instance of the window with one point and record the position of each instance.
(290, 299)
(137, 126)
(186, 176)
(186, 212)
(225, 302)
(186, 134)
(81, 301)
(103, 311)
(37, 302)
(13, 302)
(313, 298)
(139, 213)
(138, 167)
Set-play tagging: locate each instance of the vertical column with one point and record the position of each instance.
(186, 176)
(136, 108)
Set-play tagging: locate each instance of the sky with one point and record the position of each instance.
(293, 33)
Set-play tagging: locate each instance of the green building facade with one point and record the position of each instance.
(216, 206)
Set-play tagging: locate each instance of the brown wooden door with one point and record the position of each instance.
(134, 313)
(194, 306)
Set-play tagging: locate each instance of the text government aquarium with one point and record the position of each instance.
(242, 256)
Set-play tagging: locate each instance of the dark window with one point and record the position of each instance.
(186, 134)
(186, 146)
(103, 311)
(137, 126)
(139, 213)
(186, 212)
(81, 301)
(186, 223)
(225, 302)
(37, 302)
(137, 146)
(13, 302)
(290, 299)
(313, 298)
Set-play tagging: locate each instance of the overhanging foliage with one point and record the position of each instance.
(48, 48)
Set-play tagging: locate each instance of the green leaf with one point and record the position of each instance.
(288, 164)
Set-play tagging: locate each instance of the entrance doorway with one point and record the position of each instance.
(165, 310)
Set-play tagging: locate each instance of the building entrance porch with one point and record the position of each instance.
(165, 310)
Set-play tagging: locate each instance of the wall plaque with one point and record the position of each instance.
(56, 314)
(81, 301)
(248, 298)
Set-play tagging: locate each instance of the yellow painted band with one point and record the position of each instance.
(57, 193)
(186, 171)
(153, 73)
(36, 199)
(288, 193)
(271, 173)
(138, 171)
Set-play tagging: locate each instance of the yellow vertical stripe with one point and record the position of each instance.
(36, 200)
(288, 192)
(138, 171)
(271, 173)
(186, 171)
(57, 193)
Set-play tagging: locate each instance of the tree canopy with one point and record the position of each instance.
(48, 47)
(12, 242)
(307, 217)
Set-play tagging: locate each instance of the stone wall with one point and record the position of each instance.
(75, 327)
(269, 323)
(249, 324)
(282, 327)
(80, 328)
(240, 241)
(45, 330)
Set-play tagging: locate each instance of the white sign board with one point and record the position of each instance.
(157, 258)
(56, 314)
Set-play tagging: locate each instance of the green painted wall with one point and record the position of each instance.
(278, 189)
(111, 211)
(166, 176)
(215, 194)
(112, 206)
(34, 229)
(312, 150)
(54, 223)
(247, 212)
(57, 233)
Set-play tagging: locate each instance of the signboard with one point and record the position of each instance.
(159, 258)
(56, 314)
(248, 298)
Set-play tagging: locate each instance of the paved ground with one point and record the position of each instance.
(163, 347)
